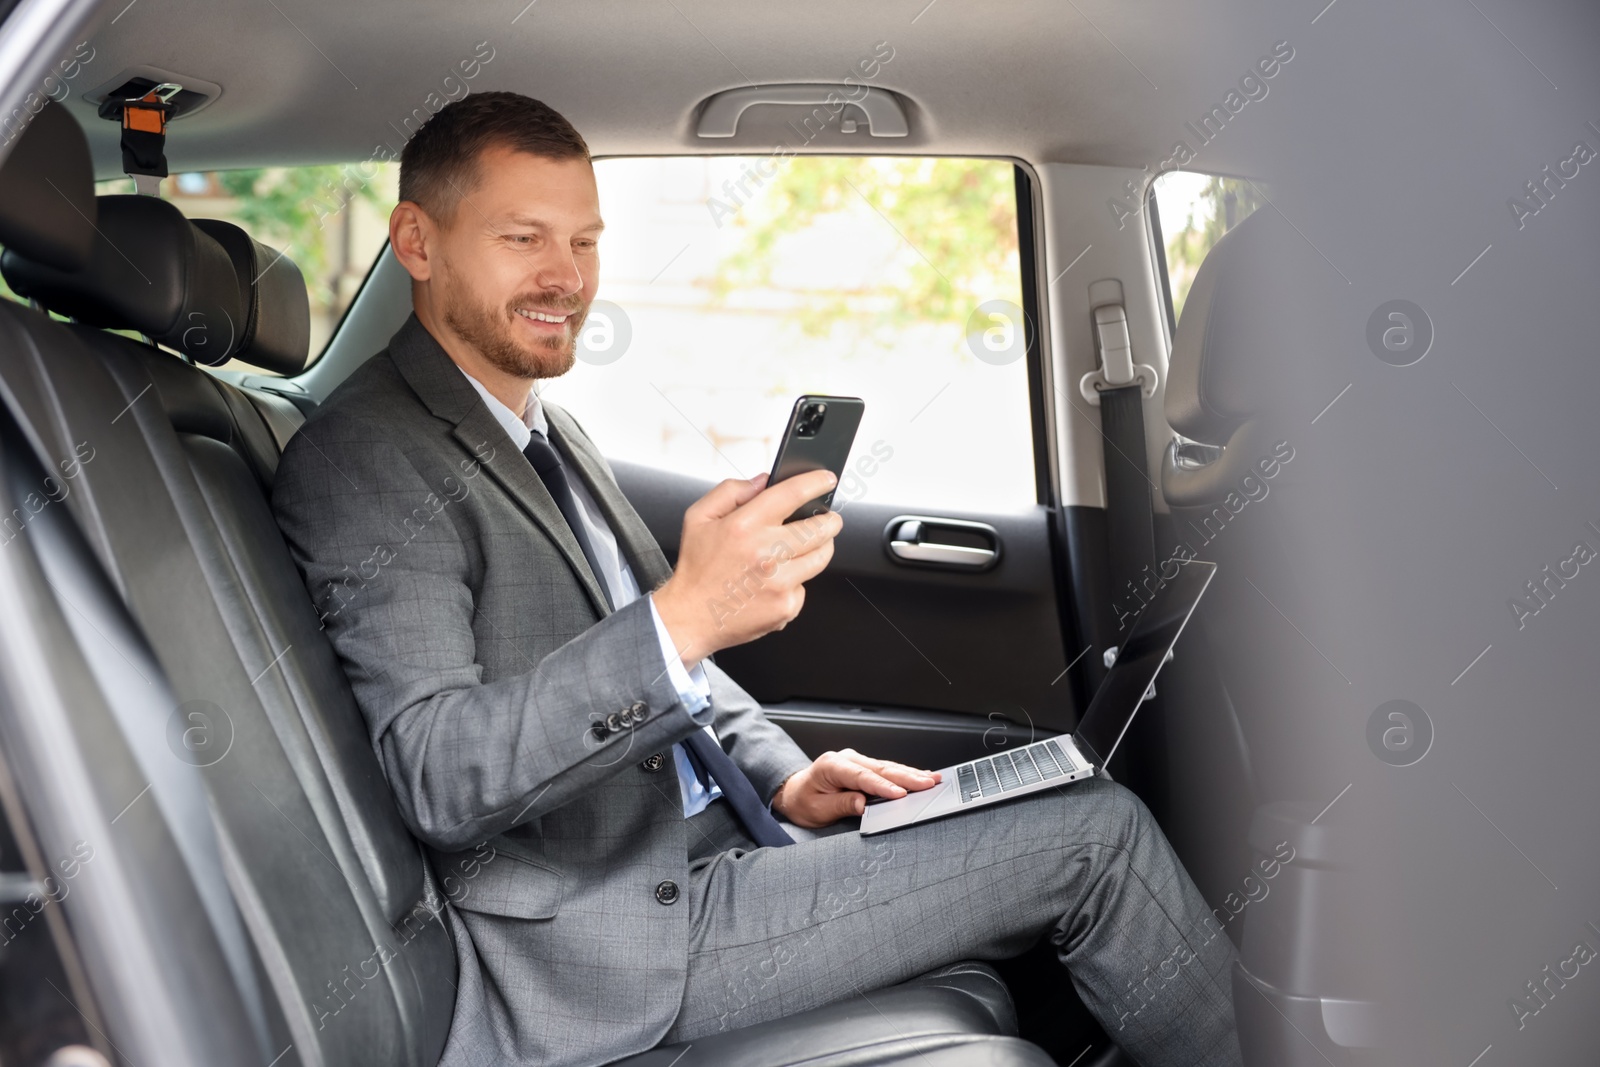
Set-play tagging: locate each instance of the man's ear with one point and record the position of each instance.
(413, 237)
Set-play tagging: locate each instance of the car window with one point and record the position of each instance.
(1194, 211)
(731, 285)
(331, 221)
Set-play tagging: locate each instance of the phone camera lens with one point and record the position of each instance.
(810, 420)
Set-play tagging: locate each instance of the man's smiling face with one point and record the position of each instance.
(515, 268)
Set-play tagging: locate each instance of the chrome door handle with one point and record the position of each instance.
(959, 555)
(943, 543)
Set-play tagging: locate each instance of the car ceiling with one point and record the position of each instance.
(1097, 81)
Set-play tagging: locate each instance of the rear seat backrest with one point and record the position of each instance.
(336, 894)
(231, 479)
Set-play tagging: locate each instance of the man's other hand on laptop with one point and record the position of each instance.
(837, 785)
(741, 571)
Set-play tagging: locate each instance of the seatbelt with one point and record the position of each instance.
(1119, 387)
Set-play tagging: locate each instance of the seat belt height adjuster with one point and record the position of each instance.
(1117, 368)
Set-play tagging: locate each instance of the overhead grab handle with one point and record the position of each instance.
(884, 113)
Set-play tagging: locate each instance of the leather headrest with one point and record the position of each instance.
(276, 334)
(1239, 328)
(151, 270)
(47, 209)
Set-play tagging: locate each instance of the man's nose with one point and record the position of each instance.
(558, 274)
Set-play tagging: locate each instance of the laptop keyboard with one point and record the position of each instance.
(1007, 771)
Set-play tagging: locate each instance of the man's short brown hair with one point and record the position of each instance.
(439, 165)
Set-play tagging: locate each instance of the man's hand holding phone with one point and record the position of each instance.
(741, 569)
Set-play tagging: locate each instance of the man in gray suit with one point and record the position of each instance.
(629, 845)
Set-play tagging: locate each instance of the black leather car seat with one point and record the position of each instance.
(341, 908)
(334, 891)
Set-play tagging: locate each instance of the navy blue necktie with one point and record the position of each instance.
(708, 758)
(709, 761)
(547, 464)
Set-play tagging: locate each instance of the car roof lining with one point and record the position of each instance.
(305, 84)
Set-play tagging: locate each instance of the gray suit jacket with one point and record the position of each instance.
(515, 717)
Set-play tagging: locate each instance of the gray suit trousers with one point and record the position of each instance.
(775, 931)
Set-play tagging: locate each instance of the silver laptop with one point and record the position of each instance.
(1068, 758)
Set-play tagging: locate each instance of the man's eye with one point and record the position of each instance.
(520, 239)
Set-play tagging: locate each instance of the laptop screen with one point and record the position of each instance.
(1139, 659)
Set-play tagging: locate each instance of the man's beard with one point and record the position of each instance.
(494, 332)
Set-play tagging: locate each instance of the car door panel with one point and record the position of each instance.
(884, 651)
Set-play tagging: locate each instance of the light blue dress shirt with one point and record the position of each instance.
(693, 688)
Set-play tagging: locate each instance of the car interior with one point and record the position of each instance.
(202, 860)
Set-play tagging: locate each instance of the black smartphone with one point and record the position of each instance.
(819, 435)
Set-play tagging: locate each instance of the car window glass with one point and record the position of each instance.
(731, 285)
(1195, 210)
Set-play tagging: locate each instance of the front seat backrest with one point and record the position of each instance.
(1237, 351)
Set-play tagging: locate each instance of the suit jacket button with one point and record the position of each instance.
(640, 709)
(667, 892)
(612, 724)
(654, 762)
(600, 732)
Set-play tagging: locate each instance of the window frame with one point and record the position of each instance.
(1158, 253)
(1035, 312)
